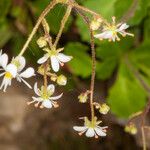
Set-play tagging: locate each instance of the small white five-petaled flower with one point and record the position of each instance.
(13, 70)
(91, 128)
(110, 31)
(45, 97)
(56, 58)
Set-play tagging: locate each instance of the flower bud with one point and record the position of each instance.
(41, 70)
(95, 24)
(42, 42)
(104, 109)
(61, 80)
(53, 78)
(131, 128)
(83, 97)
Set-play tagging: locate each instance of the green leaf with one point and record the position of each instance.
(5, 33)
(4, 7)
(110, 55)
(121, 7)
(104, 70)
(126, 96)
(141, 58)
(105, 8)
(80, 65)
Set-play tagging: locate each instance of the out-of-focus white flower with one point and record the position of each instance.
(110, 31)
(13, 70)
(20, 63)
(91, 128)
(45, 98)
(56, 58)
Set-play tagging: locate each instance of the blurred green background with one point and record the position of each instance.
(116, 62)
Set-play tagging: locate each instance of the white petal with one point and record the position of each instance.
(5, 83)
(51, 88)
(47, 104)
(43, 59)
(22, 62)
(63, 58)
(124, 26)
(104, 35)
(100, 132)
(90, 132)
(12, 69)
(56, 97)
(26, 83)
(29, 72)
(36, 90)
(55, 63)
(4, 60)
(80, 128)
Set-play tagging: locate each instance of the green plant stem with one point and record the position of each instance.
(63, 22)
(42, 16)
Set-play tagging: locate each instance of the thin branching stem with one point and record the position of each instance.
(63, 22)
(42, 16)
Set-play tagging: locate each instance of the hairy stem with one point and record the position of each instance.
(63, 22)
(42, 16)
(87, 21)
(84, 9)
(44, 24)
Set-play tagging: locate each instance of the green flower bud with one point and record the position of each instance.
(83, 97)
(131, 128)
(104, 109)
(61, 80)
(42, 42)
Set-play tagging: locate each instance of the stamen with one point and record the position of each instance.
(36, 105)
(28, 103)
(62, 64)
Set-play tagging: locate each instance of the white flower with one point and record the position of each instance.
(13, 70)
(20, 62)
(45, 97)
(91, 128)
(110, 31)
(56, 58)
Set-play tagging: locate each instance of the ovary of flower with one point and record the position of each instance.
(13, 70)
(45, 98)
(110, 31)
(56, 58)
(91, 128)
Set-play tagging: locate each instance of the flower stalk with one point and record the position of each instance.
(42, 16)
(63, 22)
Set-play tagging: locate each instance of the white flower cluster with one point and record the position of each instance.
(91, 128)
(14, 69)
(110, 31)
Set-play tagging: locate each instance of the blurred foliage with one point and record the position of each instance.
(126, 95)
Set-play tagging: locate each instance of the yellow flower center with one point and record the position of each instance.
(8, 75)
